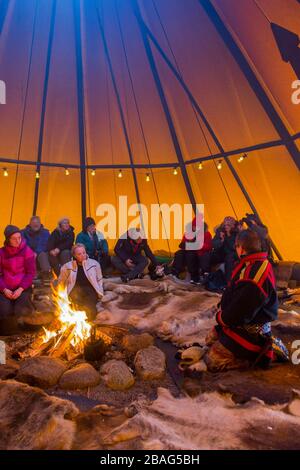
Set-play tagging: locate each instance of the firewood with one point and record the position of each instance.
(63, 342)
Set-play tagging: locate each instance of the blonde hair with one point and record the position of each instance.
(77, 245)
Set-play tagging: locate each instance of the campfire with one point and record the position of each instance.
(68, 334)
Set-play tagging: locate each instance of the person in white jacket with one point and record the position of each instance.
(82, 278)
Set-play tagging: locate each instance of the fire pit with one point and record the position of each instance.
(69, 335)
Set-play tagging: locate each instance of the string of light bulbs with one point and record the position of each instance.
(175, 170)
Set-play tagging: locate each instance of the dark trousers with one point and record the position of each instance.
(229, 260)
(57, 261)
(140, 263)
(192, 261)
(105, 262)
(43, 263)
(85, 299)
(19, 307)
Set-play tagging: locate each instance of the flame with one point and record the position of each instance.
(66, 318)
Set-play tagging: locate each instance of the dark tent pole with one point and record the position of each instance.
(3, 13)
(80, 104)
(252, 79)
(196, 106)
(44, 102)
(121, 112)
(165, 105)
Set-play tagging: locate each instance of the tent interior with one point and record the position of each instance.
(84, 84)
(165, 102)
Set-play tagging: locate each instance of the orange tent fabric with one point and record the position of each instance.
(43, 105)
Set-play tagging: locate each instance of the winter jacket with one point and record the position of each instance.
(91, 244)
(94, 247)
(249, 302)
(227, 246)
(92, 270)
(206, 247)
(61, 240)
(17, 267)
(36, 240)
(103, 243)
(127, 248)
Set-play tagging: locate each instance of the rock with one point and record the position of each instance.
(37, 319)
(32, 420)
(150, 363)
(9, 370)
(42, 371)
(116, 375)
(118, 355)
(133, 343)
(81, 376)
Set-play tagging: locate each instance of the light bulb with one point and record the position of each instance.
(37, 175)
(67, 173)
(147, 177)
(200, 166)
(219, 166)
(175, 172)
(5, 172)
(93, 172)
(120, 174)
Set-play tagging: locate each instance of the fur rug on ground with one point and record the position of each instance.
(29, 419)
(173, 310)
(210, 421)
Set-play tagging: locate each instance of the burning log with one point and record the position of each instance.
(63, 342)
(70, 332)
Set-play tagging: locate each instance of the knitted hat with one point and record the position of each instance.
(87, 222)
(10, 230)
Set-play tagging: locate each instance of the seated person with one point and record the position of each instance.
(253, 223)
(60, 244)
(129, 259)
(36, 237)
(82, 277)
(197, 261)
(96, 247)
(224, 245)
(17, 271)
(242, 336)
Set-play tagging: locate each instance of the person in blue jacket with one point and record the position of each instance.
(36, 236)
(95, 244)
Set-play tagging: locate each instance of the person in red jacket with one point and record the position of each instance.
(17, 271)
(194, 254)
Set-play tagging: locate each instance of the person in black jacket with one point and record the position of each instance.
(242, 336)
(60, 244)
(129, 259)
(224, 245)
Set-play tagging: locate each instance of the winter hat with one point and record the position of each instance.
(10, 230)
(87, 222)
(63, 220)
